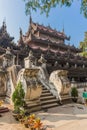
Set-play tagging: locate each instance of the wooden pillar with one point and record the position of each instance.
(14, 59)
(17, 58)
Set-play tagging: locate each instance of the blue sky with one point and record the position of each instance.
(13, 11)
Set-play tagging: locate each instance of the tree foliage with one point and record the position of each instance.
(83, 46)
(45, 5)
(18, 97)
(74, 92)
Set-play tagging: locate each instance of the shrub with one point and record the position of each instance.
(18, 96)
(32, 122)
(74, 92)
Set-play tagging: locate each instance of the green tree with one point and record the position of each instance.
(46, 5)
(83, 46)
(74, 92)
(18, 97)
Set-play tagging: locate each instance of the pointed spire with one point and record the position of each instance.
(63, 29)
(4, 26)
(30, 19)
(20, 32)
(20, 42)
(69, 38)
(29, 28)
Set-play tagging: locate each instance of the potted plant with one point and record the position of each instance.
(37, 124)
(32, 122)
(74, 94)
(28, 121)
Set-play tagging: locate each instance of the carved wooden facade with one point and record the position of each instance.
(50, 43)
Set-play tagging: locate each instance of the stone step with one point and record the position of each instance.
(45, 91)
(4, 109)
(46, 100)
(46, 94)
(32, 101)
(47, 97)
(67, 101)
(44, 88)
(33, 109)
(49, 101)
(65, 97)
(49, 105)
(31, 105)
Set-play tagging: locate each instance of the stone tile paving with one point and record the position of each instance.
(67, 117)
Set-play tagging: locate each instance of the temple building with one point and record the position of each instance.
(51, 43)
(7, 42)
(45, 65)
(5, 39)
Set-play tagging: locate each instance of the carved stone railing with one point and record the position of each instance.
(79, 84)
(30, 82)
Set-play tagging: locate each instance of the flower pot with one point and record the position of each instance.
(74, 99)
(16, 119)
(26, 125)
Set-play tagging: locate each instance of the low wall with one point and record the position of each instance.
(80, 86)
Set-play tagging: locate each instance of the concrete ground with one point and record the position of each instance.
(67, 117)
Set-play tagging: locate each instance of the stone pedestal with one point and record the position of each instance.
(30, 60)
(2, 83)
(61, 83)
(30, 82)
(32, 88)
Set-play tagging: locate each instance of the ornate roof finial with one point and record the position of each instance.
(8, 50)
(20, 42)
(69, 38)
(30, 19)
(20, 32)
(63, 28)
(42, 59)
(4, 25)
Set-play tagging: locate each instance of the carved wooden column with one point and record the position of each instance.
(17, 59)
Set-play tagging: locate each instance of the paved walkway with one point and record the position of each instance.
(67, 117)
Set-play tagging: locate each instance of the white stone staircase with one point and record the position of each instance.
(46, 100)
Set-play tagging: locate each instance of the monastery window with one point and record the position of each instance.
(75, 65)
(37, 34)
(62, 65)
(70, 65)
(43, 36)
(83, 66)
(52, 64)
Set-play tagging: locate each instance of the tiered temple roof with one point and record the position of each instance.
(5, 39)
(46, 39)
(51, 43)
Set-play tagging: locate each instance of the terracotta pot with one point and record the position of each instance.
(26, 125)
(74, 99)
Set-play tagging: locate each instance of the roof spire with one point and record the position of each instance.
(20, 32)
(4, 25)
(20, 42)
(63, 28)
(30, 19)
